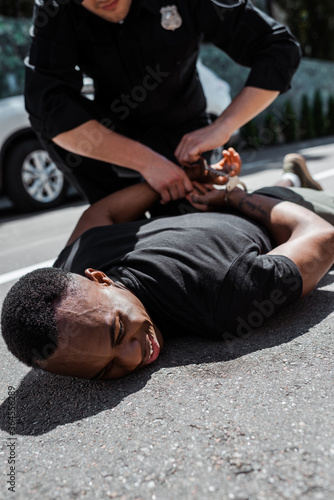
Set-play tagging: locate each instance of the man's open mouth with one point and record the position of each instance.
(153, 349)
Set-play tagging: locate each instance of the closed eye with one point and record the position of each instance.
(103, 372)
(121, 332)
(120, 336)
(100, 374)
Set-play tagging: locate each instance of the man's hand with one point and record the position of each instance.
(93, 140)
(228, 166)
(195, 143)
(206, 198)
(245, 106)
(230, 162)
(167, 179)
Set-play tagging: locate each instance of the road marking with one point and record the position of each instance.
(323, 175)
(14, 275)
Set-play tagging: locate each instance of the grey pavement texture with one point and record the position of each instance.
(250, 419)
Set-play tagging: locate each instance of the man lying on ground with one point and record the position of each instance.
(121, 284)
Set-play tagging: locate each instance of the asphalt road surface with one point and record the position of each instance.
(250, 419)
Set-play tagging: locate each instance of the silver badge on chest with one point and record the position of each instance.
(170, 17)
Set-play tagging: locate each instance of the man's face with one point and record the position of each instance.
(105, 332)
(113, 11)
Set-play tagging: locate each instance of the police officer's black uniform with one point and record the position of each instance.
(146, 84)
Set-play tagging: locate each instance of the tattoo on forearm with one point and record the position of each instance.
(247, 204)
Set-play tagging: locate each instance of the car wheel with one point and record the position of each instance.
(33, 181)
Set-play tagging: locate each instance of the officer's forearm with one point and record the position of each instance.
(248, 104)
(93, 140)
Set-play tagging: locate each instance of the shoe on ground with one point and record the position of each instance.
(295, 164)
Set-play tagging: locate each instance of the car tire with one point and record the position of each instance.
(33, 181)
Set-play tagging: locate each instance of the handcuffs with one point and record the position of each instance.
(231, 181)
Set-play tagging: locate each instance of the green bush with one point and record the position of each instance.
(330, 116)
(250, 134)
(318, 115)
(306, 126)
(270, 131)
(312, 24)
(285, 125)
(290, 123)
(17, 8)
(14, 41)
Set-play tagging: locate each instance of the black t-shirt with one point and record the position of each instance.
(201, 274)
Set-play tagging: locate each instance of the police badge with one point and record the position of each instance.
(170, 17)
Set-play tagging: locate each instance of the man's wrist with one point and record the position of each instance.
(225, 126)
(152, 160)
(233, 198)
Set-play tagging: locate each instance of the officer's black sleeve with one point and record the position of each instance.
(252, 39)
(53, 85)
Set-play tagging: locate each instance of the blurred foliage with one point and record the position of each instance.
(17, 31)
(271, 128)
(313, 120)
(249, 135)
(14, 42)
(312, 22)
(306, 120)
(16, 8)
(319, 119)
(330, 116)
(290, 129)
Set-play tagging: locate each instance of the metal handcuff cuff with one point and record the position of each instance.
(232, 181)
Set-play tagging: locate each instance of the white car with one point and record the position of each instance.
(217, 92)
(27, 174)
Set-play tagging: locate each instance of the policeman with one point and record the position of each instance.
(147, 118)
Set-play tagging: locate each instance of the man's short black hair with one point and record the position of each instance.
(28, 320)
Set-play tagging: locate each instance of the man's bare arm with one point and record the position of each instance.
(125, 205)
(249, 103)
(93, 140)
(299, 234)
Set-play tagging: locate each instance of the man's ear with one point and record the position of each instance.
(98, 277)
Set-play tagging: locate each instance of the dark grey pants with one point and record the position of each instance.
(320, 202)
